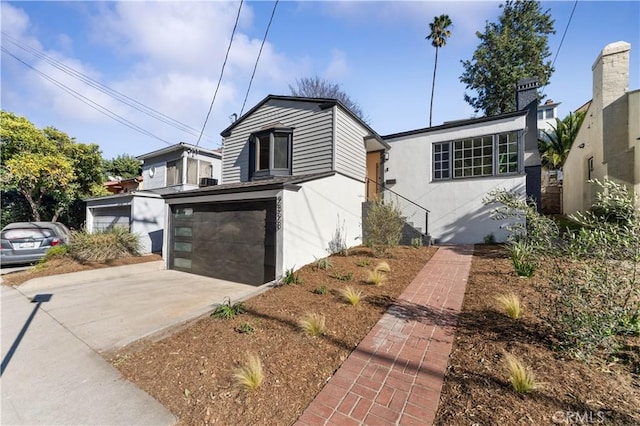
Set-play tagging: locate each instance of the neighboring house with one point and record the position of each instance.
(176, 168)
(449, 170)
(294, 180)
(547, 114)
(607, 145)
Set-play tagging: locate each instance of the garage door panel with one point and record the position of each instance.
(105, 218)
(231, 241)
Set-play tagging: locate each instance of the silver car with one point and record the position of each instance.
(27, 242)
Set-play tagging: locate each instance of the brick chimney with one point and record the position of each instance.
(527, 99)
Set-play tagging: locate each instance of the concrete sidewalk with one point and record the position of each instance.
(52, 370)
(52, 377)
(396, 373)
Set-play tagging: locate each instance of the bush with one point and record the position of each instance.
(56, 252)
(104, 245)
(383, 226)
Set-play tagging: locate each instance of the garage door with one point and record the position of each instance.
(107, 217)
(231, 241)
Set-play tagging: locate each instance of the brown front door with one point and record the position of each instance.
(374, 179)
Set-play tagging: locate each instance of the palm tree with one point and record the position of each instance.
(554, 147)
(439, 35)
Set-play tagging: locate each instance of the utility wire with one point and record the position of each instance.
(226, 56)
(88, 101)
(103, 88)
(273, 12)
(565, 33)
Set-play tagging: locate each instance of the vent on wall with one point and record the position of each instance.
(208, 182)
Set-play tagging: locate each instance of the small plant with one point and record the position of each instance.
(320, 290)
(382, 228)
(338, 243)
(521, 254)
(383, 267)
(490, 239)
(245, 328)
(351, 295)
(376, 277)
(521, 378)
(249, 375)
(56, 252)
(510, 304)
(363, 263)
(227, 310)
(343, 277)
(324, 263)
(416, 242)
(313, 323)
(290, 277)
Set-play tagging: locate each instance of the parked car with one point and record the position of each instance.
(28, 242)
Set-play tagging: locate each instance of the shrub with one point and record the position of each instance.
(104, 245)
(510, 304)
(227, 310)
(351, 295)
(312, 323)
(324, 263)
(383, 225)
(320, 290)
(383, 267)
(416, 242)
(521, 378)
(250, 375)
(376, 277)
(290, 277)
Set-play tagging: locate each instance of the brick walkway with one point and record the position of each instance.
(396, 373)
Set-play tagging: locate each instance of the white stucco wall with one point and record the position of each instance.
(457, 214)
(147, 220)
(312, 214)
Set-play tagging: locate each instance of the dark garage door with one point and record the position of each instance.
(231, 241)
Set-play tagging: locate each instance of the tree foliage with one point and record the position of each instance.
(316, 87)
(47, 168)
(513, 48)
(125, 166)
(556, 144)
(439, 33)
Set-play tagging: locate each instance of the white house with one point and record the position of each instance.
(175, 168)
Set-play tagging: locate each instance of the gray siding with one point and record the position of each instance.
(160, 162)
(312, 138)
(157, 181)
(351, 154)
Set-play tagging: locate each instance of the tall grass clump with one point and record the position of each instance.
(376, 277)
(510, 304)
(521, 378)
(104, 245)
(351, 295)
(312, 323)
(383, 267)
(250, 375)
(522, 258)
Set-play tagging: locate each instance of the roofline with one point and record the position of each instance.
(142, 193)
(455, 124)
(176, 147)
(324, 103)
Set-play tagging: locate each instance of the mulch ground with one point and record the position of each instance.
(476, 389)
(191, 371)
(66, 265)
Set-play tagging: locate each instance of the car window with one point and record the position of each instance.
(18, 234)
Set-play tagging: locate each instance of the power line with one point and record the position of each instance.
(273, 12)
(103, 88)
(565, 33)
(226, 56)
(88, 101)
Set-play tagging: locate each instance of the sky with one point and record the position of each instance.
(168, 55)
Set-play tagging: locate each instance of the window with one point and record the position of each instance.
(174, 172)
(549, 113)
(540, 114)
(490, 155)
(589, 168)
(270, 153)
(192, 171)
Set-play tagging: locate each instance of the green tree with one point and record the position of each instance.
(124, 165)
(515, 47)
(316, 87)
(47, 167)
(438, 36)
(556, 144)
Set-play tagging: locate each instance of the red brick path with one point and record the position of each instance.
(396, 373)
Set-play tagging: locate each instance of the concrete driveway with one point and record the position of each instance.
(52, 372)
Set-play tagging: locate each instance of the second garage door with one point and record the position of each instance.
(234, 241)
(105, 218)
